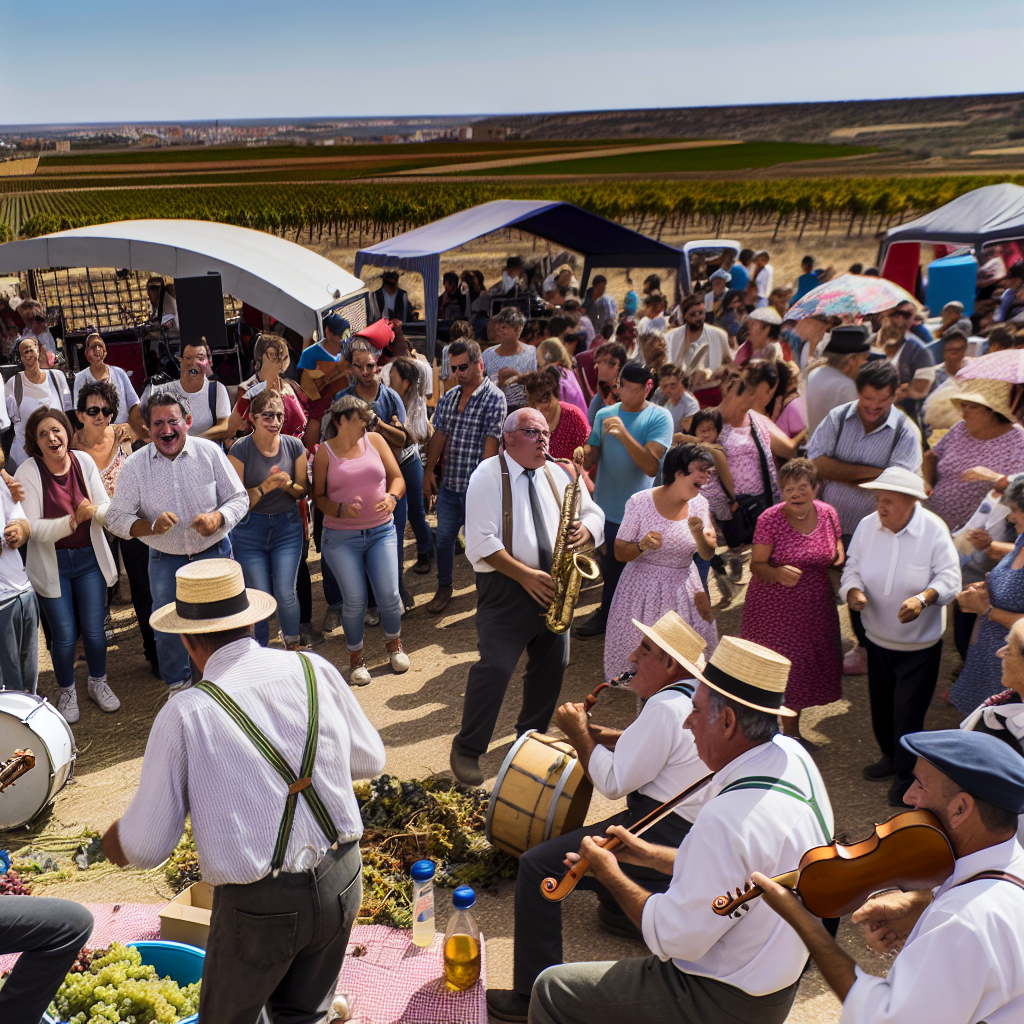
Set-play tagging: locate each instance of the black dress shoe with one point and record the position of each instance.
(896, 794)
(880, 770)
(506, 1004)
(466, 769)
(423, 560)
(592, 627)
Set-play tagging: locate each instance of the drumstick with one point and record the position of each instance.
(556, 890)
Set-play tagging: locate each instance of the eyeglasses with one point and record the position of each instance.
(271, 417)
(533, 433)
(97, 410)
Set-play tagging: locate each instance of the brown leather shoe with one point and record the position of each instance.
(465, 768)
(440, 600)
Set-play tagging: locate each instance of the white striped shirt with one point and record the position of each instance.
(199, 762)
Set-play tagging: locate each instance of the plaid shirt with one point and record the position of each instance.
(467, 432)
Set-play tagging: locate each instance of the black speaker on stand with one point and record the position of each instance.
(201, 310)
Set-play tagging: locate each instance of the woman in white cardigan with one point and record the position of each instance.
(68, 563)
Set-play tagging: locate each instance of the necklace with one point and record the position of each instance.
(800, 518)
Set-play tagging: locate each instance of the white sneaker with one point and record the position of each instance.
(101, 692)
(399, 660)
(67, 704)
(173, 688)
(358, 675)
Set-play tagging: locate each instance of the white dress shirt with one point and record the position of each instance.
(199, 762)
(964, 960)
(483, 512)
(764, 279)
(655, 755)
(889, 567)
(199, 479)
(680, 351)
(736, 833)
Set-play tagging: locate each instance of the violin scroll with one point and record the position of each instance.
(729, 905)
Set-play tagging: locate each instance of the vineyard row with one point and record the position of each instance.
(362, 213)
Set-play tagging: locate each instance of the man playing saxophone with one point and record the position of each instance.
(513, 520)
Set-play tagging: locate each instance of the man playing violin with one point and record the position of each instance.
(648, 763)
(961, 948)
(767, 805)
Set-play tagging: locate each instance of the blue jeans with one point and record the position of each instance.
(353, 555)
(411, 508)
(81, 584)
(170, 650)
(451, 514)
(269, 547)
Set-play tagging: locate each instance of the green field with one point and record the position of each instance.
(712, 158)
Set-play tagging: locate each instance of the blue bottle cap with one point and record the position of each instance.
(463, 897)
(423, 870)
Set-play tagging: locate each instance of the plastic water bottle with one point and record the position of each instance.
(423, 903)
(462, 943)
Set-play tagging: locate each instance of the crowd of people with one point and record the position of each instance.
(715, 441)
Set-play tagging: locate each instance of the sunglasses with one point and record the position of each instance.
(271, 417)
(459, 367)
(37, 319)
(96, 410)
(900, 312)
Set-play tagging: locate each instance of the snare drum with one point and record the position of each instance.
(28, 721)
(541, 792)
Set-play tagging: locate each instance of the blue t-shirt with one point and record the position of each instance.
(597, 402)
(740, 277)
(618, 476)
(316, 354)
(804, 283)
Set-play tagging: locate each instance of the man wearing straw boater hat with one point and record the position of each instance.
(261, 755)
(648, 763)
(766, 807)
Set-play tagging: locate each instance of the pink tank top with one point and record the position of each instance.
(363, 476)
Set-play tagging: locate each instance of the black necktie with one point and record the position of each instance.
(539, 526)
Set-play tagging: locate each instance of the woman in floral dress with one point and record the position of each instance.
(789, 606)
(661, 531)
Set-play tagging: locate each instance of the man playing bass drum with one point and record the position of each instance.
(512, 558)
(648, 763)
(767, 805)
(962, 959)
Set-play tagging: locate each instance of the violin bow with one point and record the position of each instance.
(556, 890)
(13, 769)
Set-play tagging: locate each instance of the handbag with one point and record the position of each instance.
(740, 529)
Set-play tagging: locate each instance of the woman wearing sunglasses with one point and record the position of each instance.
(268, 541)
(108, 443)
(128, 410)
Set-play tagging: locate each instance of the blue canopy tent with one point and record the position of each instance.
(603, 243)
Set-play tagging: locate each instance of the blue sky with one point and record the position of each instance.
(106, 60)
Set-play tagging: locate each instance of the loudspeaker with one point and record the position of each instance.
(201, 310)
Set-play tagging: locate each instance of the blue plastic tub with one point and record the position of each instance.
(183, 963)
(952, 278)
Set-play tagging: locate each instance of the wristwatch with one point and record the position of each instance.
(396, 498)
(924, 600)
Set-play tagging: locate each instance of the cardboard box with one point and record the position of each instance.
(187, 917)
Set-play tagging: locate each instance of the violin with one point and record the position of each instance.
(910, 851)
(556, 890)
(619, 681)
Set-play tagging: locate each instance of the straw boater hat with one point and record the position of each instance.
(993, 394)
(210, 596)
(750, 674)
(677, 638)
(900, 480)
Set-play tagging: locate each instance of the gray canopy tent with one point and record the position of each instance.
(603, 243)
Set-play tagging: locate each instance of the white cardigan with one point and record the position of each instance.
(41, 562)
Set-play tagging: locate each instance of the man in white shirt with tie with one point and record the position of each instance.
(512, 558)
(767, 806)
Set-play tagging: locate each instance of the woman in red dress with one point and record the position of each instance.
(789, 606)
(569, 427)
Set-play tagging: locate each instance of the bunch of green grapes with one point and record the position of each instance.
(118, 988)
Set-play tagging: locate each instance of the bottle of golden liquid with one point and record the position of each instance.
(462, 940)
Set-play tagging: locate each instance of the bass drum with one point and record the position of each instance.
(541, 792)
(33, 723)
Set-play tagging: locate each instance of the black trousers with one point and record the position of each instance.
(855, 621)
(900, 688)
(963, 627)
(49, 934)
(509, 621)
(135, 555)
(280, 942)
(611, 569)
(538, 923)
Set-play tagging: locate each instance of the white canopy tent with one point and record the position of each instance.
(292, 284)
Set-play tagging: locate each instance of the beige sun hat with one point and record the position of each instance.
(750, 674)
(993, 394)
(900, 480)
(210, 596)
(676, 637)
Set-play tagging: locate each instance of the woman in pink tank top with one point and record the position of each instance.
(357, 484)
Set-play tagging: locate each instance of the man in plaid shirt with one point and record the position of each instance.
(467, 426)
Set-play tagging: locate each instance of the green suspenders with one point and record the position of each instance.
(787, 789)
(302, 784)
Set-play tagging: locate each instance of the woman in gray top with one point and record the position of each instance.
(268, 541)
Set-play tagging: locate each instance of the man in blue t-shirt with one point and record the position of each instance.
(627, 443)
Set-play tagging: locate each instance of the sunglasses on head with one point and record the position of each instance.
(98, 410)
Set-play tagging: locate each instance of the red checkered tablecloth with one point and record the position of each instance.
(392, 982)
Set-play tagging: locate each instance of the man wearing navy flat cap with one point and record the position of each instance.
(962, 947)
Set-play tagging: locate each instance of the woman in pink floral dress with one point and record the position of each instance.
(789, 606)
(660, 532)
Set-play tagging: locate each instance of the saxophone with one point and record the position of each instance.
(568, 568)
